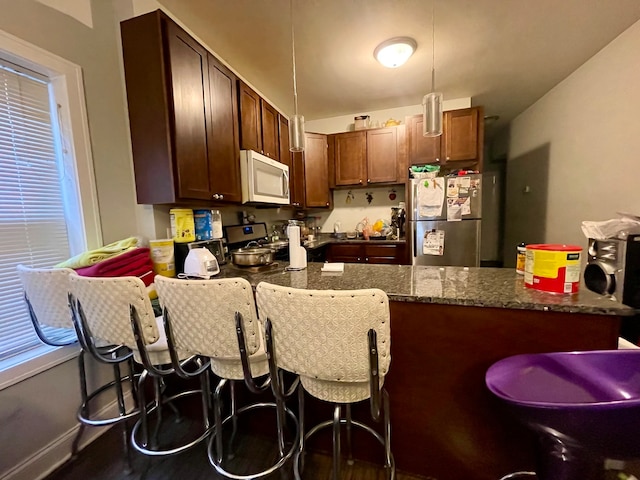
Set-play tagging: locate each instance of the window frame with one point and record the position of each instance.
(85, 233)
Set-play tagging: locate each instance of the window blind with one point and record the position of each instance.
(33, 227)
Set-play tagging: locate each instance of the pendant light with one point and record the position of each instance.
(296, 122)
(432, 102)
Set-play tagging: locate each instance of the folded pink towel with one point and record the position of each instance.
(133, 263)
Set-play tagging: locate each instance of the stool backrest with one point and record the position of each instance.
(202, 315)
(106, 306)
(323, 333)
(46, 290)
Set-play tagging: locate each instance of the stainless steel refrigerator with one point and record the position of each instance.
(444, 220)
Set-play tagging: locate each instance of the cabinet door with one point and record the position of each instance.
(270, 140)
(348, 253)
(190, 87)
(250, 119)
(316, 171)
(297, 180)
(384, 254)
(421, 149)
(461, 137)
(350, 158)
(382, 155)
(283, 141)
(224, 155)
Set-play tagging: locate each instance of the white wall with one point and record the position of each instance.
(587, 129)
(37, 415)
(344, 123)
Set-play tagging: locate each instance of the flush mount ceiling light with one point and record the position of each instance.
(395, 52)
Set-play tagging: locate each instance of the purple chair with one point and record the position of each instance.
(583, 406)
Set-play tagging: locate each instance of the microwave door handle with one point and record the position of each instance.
(285, 178)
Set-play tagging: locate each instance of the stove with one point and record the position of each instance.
(255, 234)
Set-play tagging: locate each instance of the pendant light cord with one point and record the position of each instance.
(433, 47)
(293, 50)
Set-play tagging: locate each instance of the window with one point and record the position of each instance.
(48, 209)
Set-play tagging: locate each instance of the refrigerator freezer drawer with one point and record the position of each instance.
(461, 243)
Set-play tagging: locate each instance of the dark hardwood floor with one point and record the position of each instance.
(104, 460)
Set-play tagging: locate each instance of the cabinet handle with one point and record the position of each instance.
(327, 204)
(358, 258)
(221, 196)
(216, 196)
(366, 259)
(360, 182)
(368, 180)
(448, 158)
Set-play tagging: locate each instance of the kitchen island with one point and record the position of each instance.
(448, 325)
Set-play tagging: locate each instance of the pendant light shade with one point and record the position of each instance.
(432, 114)
(296, 133)
(296, 122)
(432, 102)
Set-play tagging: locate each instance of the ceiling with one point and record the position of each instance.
(504, 54)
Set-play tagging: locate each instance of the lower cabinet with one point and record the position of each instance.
(394, 254)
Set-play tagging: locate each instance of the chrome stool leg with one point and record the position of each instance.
(83, 394)
(518, 475)
(349, 445)
(336, 442)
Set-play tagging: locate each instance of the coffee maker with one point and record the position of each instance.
(398, 218)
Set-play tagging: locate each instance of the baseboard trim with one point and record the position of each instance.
(56, 453)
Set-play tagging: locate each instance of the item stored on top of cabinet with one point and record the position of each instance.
(183, 115)
(361, 122)
(183, 228)
(461, 143)
(521, 257)
(371, 156)
(552, 268)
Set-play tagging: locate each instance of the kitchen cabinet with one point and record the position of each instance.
(182, 115)
(316, 171)
(371, 253)
(259, 123)
(297, 180)
(366, 157)
(459, 146)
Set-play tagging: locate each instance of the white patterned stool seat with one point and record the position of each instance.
(330, 338)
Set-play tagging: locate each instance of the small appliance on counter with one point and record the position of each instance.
(216, 247)
(200, 263)
(613, 268)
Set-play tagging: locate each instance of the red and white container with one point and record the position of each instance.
(553, 268)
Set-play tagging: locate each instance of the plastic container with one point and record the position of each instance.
(203, 228)
(216, 224)
(521, 257)
(361, 122)
(553, 268)
(163, 257)
(182, 225)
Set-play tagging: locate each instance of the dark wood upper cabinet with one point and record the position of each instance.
(259, 128)
(382, 155)
(250, 118)
(316, 171)
(224, 151)
(182, 115)
(297, 181)
(459, 146)
(461, 141)
(350, 153)
(270, 135)
(421, 149)
(367, 156)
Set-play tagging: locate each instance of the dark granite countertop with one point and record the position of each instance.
(480, 287)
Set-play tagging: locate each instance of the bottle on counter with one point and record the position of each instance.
(216, 224)
(521, 256)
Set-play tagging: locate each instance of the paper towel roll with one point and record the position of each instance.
(297, 253)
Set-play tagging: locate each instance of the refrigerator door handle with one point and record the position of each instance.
(415, 248)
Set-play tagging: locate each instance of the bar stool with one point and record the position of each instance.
(582, 406)
(338, 343)
(46, 294)
(118, 310)
(217, 319)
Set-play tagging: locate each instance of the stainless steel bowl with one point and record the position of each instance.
(251, 257)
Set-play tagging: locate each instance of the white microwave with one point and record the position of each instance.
(264, 180)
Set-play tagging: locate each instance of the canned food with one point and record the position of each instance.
(553, 268)
(521, 256)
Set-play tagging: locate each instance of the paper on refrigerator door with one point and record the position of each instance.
(430, 197)
(433, 243)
